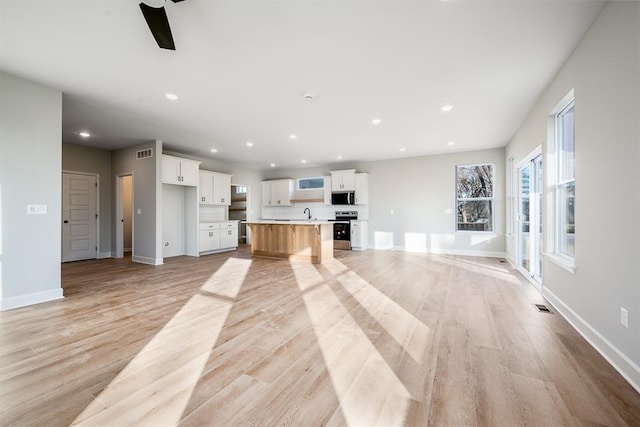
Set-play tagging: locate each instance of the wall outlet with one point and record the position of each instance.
(624, 317)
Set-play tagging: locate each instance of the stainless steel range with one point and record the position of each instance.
(342, 229)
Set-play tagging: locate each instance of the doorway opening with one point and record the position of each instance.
(239, 210)
(124, 215)
(530, 218)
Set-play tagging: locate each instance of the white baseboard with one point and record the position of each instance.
(621, 363)
(102, 255)
(147, 260)
(30, 299)
(464, 252)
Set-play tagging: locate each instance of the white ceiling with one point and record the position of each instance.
(242, 67)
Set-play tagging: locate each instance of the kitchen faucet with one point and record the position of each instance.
(307, 211)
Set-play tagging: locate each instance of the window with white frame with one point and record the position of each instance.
(474, 197)
(565, 179)
(316, 183)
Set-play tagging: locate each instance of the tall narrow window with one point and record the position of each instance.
(565, 184)
(474, 197)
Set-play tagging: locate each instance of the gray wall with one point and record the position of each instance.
(604, 70)
(147, 196)
(30, 245)
(421, 193)
(78, 158)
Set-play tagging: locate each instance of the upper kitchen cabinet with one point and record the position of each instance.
(344, 180)
(178, 171)
(362, 189)
(277, 192)
(215, 188)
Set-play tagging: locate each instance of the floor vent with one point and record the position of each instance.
(144, 154)
(543, 308)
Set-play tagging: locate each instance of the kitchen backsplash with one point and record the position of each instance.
(317, 211)
(213, 213)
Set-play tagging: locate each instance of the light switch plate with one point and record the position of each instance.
(36, 209)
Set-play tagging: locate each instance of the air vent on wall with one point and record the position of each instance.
(144, 154)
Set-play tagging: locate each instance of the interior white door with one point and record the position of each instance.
(79, 217)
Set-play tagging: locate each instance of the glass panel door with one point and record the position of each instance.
(537, 270)
(524, 216)
(530, 218)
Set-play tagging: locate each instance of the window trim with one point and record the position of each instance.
(464, 199)
(553, 253)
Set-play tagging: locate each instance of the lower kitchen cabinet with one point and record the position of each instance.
(218, 236)
(359, 234)
(229, 235)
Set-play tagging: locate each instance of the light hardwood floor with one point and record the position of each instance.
(368, 338)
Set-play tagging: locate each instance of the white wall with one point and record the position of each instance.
(78, 158)
(604, 70)
(420, 190)
(30, 245)
(147, 197)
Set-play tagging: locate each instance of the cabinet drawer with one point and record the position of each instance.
(210, 226)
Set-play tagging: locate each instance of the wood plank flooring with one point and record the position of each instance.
(368, 338)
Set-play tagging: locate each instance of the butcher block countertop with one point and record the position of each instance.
(299, 240)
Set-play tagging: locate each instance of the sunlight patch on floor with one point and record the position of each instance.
(369, 392)
(496, 272)
(228, 279)
(410, 333)
(155, 387)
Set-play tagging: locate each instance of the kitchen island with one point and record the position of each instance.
(310, 241)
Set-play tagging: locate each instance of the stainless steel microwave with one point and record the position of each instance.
(343, 198)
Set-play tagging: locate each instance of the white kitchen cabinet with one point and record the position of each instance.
(362, 188)
(359, 234)
(229, 235)
(179, 171)
(209, 239)
(218, 236)
(215, 188)
(344, 180)
(277, 192)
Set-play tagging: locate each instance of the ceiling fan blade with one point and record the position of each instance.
(158, 23)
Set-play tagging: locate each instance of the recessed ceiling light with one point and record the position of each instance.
(293, 136)
(171, 96)
(84, 134)
(214, 150)
(273, 165)
(249, 144)
(376, 121)
(446, 108)
(308, 96)
(451, 143)
(403, 149)
(304, 161)
(339, 156)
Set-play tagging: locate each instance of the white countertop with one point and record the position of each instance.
(291, 221)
